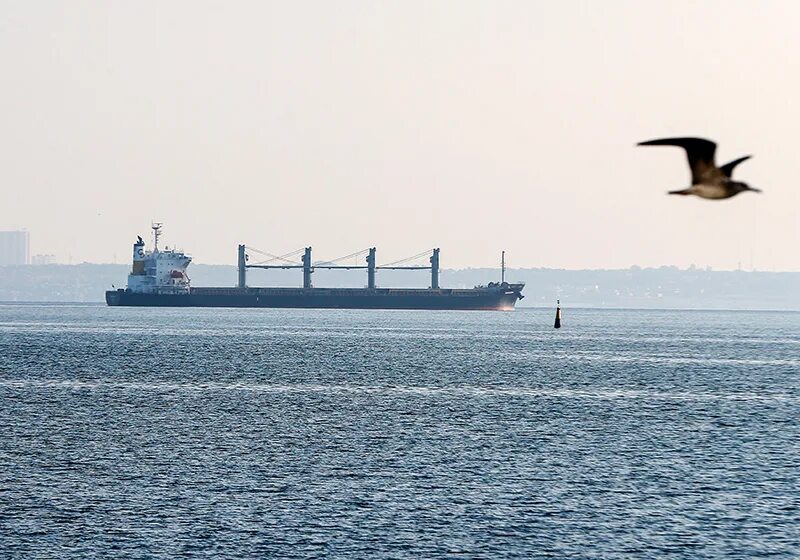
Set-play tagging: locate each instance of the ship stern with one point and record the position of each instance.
(113, 297)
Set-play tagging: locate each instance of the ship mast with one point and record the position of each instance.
(156, 234)
(503, 267)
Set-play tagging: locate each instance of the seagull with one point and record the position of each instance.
(708, 180)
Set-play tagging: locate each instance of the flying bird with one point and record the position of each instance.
(708, 180)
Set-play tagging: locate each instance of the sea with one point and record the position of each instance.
(264, 433)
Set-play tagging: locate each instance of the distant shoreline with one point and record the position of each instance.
(666, 288)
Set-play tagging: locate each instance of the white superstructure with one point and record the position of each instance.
(158, 271)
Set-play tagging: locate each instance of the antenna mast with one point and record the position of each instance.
(503, 267)
(156, 234)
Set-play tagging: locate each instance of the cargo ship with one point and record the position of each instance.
(158, 279)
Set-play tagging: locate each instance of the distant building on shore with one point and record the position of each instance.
(15, 248)
(43, 259)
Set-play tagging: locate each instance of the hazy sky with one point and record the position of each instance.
(473, 126)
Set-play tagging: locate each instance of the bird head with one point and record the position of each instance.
(738, 186)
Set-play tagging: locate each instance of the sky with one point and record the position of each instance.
(471, 126)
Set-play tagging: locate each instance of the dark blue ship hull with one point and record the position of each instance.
(497, 297)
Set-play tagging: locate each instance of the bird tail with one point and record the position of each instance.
(682, 191)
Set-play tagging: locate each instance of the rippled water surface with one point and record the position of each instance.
(366, 434)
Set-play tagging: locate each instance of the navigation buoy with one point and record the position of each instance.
(557, 324)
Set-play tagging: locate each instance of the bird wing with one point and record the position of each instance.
(699, 151)
(727, 169)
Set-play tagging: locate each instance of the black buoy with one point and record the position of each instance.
(557, 324)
